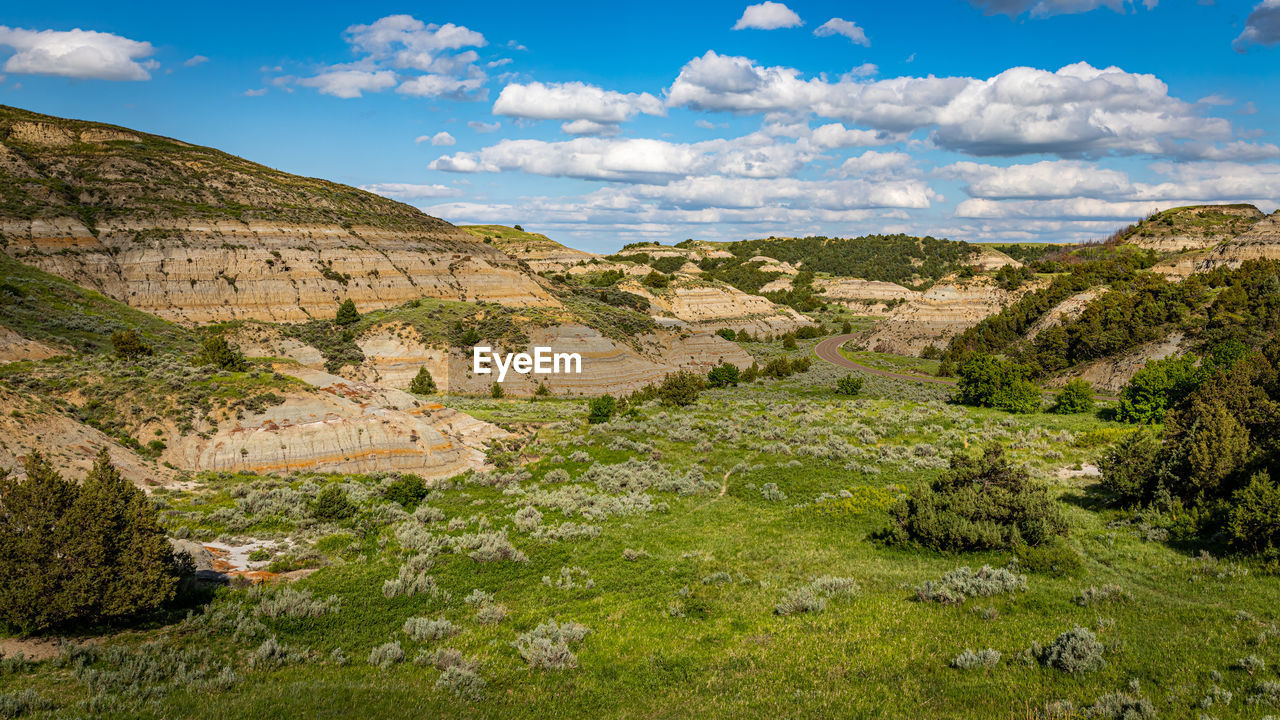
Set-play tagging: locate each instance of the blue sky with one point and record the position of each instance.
(600, 124)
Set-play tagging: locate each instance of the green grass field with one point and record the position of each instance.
(687, 627)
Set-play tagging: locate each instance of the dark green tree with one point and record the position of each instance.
(656, 279)
(601, 409)
(723, 375)
(129, 344)
(423, 383)
(681, 388)
(408, 490)
(849, 385)
(1158, 386)
(31, 513)
(119, 562)
(347, 313)
(333, 504)
(215, 350)
(1076, 397)
(1254, 522)
(981, 503)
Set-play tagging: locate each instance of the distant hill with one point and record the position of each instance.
(194, 234)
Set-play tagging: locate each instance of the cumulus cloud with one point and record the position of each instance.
(1071, 189)
(409, 191)
(768, 15)
(417, 58)
(591, 110)
(847, 28)
(83, 54)
(484, 127)
(440, 139)
(875, 164)
(1262, 27)
(1078, 110)
(195, 60)
(835, 135)
(1049, 8)
(347, 83)
(638, 160)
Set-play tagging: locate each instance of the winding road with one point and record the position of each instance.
(829, 350)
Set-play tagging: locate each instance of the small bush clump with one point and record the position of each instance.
(424, 629)
(970, 660)
(1105, 594)
(957, 585)
(1075, 651)
(385, 656)
(546, 647)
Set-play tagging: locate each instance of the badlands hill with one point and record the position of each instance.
(193, 234)
(1187, 280)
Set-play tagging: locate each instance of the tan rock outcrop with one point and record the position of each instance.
(345, 427)
(1065, 311)
(14, 347)
(1193, 228)
(1111, 374)
(713, 305)
(226, 270)
(1260, 242)
(940, 313)
(869, 297)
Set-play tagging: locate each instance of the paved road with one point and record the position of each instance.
(829, 350)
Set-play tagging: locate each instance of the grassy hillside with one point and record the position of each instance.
(673, 535)
(45, 307)
(52, 167)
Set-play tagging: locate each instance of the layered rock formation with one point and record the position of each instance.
(1063, 312)
(1260, 242)
(14, 347)
(714, 305)
(1192, 228)
(1111, 374)
(869, 297)
(345, 426)
(394, 354)
(940, 313)
(193, 234)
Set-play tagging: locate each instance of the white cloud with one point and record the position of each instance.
(588, 127)
(410, 191)
(255, 93)
(195, 60)
(768, 15)
(440, 139)
(1047, 179)
(847, 28)
(423, 60)
(1069, 189)
(637, 160)
(440, 86)
(484, 127)
(574, 101)
(863, 70)
(836, 135)
(84, 54)
(875, 164)
(1262, 26)
(1049, 8)
(1079, 110)
(345, 83)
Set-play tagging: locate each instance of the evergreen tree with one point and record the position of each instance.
(601, 409)
(423, 383)
(347, 313)
(32, 570)
(117, 558)
(72, 553)
(723, 375)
